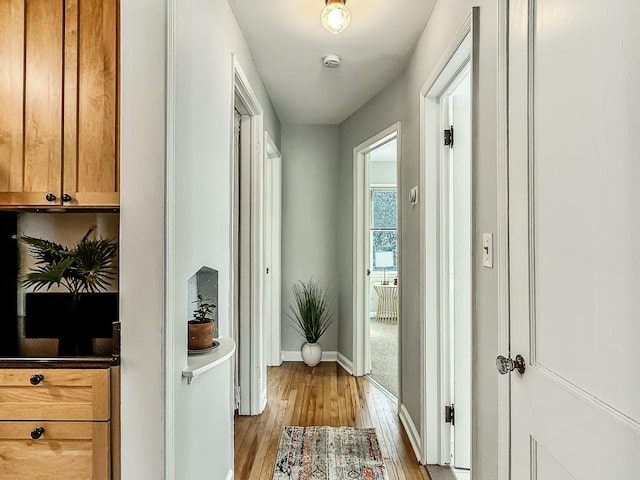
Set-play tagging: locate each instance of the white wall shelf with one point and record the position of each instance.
(199, 364)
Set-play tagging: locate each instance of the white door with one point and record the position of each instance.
(459, 105)
(574, 220)
(273, 253)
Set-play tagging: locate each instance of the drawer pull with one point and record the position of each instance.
(36, 379)
(36, 433)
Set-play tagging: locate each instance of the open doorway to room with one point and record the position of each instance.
(383, 266)
(376, 281)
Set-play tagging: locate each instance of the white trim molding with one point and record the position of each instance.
(345, 363)
(412, 431)
(168, 353)
(461, 51)
(296, 356)
(229, 475)
(502, 243)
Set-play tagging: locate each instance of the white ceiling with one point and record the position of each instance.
(288, 43)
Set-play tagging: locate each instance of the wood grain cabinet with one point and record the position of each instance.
(56, 423)
(59, 103)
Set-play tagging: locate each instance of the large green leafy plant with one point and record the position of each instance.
(311, 312)
(89, 266)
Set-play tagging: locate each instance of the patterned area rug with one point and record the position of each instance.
(329, 453)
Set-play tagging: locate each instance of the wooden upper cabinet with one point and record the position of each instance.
(59, 103)
(91, 167)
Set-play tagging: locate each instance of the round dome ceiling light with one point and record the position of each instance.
(332, 60)
(335, 16)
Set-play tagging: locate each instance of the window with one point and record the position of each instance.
(384, 225)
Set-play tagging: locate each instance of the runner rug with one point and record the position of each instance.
(329, 453)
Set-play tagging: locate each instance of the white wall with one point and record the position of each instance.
(309, 219)
(400, 101)
(206, 34)
(206, 37)
(142, 200)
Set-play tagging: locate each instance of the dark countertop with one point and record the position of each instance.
(59, 362)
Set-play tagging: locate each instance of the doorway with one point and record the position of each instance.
(247, 249)
(377, 279)
(383, 267)
(447, 243)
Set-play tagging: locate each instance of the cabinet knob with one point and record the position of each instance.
(50, 197)
(36, 433)
(36, 379)
(66, 197)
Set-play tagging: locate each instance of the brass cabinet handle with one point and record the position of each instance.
(36, 433)
(36, 379)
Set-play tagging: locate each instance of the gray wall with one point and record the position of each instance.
(309, 219)
(400, 101)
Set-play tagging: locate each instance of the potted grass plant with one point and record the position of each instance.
(200, 327)
(311, 314)
(87, 267)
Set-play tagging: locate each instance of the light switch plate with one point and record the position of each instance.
(487, 250)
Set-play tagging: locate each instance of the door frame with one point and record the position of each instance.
(461, 52)
(501, 242)
(361, 247)
(447, 323)
(253, 380)
(273, 244)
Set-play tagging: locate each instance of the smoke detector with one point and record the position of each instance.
(332, 60)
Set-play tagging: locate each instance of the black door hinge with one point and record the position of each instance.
(450, 414)
(448, 137)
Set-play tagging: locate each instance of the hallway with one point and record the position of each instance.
(324, 395)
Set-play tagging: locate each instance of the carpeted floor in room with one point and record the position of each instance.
(384, 354)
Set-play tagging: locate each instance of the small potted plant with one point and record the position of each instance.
(87, 267)
(201, 326)
(311, 315)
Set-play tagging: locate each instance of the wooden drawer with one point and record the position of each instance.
(69, 450)
(71, 394)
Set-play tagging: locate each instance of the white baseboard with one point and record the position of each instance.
(263, 402)
(229, 475)
(296, 356)
(412, 432)
(345, 363)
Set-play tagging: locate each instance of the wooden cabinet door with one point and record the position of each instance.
(58, 394)
(31, 76)
(69, 450)
(91, 160)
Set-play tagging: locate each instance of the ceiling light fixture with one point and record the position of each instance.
(335, 16)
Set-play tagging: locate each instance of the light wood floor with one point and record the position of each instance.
(323, 395)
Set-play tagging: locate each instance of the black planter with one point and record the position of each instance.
(75, 339)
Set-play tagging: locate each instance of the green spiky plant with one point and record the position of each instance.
(312, 311)
(88, 267)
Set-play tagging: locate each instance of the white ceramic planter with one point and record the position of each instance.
(311, 354)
